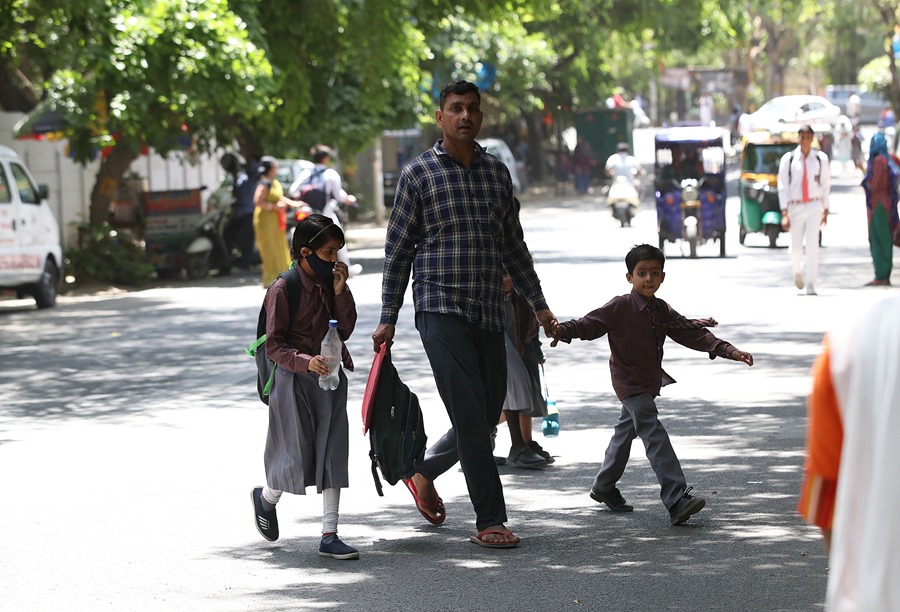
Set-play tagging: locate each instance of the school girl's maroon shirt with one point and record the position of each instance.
(291, 344)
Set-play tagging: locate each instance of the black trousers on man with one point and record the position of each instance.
(469, 366)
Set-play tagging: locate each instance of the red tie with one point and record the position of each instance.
(805, 184)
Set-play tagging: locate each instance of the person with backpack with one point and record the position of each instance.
(455, 227)
(323, 190)
(804, 187)
(308, 436)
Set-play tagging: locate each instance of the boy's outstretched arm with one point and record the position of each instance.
(738, 355)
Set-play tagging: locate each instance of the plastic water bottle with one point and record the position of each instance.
(550, 425)
(331, 351)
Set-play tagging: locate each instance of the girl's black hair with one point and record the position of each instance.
(313, 232)
(265, 164)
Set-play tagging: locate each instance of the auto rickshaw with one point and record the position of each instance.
(690, 186)
(758, 185)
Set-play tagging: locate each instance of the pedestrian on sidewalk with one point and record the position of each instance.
(849, 486)
(804, 188)
(880, 185)
(270, 221)
(638, 324)
(583, 163)
(455, 226)
(308, 437)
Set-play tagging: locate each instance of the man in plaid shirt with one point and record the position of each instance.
(455, 227)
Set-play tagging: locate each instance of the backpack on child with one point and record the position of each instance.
(312, 190)
(265, 367)
(393, 418)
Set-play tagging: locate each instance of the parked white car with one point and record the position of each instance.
(30, 251)
(794, 109)
(498, 148)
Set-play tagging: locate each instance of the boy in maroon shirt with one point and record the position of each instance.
(637, 325)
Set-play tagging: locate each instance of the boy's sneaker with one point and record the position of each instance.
(533, 445)
(266, 520)
(331, 546)
(798, 281)
(685, 507)
(613, 499)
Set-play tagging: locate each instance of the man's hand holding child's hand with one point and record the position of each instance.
(742, 356)
(554, 333)
(547, 320)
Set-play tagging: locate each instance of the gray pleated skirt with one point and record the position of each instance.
(523, 384)
(308, 438)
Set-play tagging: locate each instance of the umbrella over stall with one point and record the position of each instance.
(44, 122)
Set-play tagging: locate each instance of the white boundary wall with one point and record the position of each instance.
(70, 184)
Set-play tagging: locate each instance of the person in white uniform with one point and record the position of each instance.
(804, 187)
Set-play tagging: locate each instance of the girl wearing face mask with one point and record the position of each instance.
(307, 442)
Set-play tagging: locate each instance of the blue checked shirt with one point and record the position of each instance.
(456, 229)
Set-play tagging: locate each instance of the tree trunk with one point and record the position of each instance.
(16, 95)
(535, 149)
(887, 19)
(112, 169)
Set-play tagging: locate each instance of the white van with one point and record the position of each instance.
(498, 148)
(30, 251)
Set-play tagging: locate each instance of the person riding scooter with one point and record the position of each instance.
(624, 194)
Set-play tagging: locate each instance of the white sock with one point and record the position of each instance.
(271, 495)
(331, 499)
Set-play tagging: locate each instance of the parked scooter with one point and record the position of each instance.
(623, 200)
(226, 228)
(209, 250)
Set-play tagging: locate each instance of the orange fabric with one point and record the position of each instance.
(825, 437)
(805, 183)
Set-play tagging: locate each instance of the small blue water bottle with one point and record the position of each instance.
(550, 425)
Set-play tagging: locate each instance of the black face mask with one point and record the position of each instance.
(321, 268)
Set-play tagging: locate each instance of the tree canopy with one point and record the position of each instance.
(280, 75)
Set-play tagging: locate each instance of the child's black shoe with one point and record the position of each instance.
(537, 448)
(613, 499)
(685, 507)
(331, 546)
(266, 520)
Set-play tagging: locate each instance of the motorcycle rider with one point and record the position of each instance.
(623, 163)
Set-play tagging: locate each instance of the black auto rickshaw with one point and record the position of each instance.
(758, 184)
(690, 186)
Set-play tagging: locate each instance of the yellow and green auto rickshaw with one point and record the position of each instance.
(758, 185)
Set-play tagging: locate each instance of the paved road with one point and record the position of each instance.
(130, 436)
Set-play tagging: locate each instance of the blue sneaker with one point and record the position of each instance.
(331, 546)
